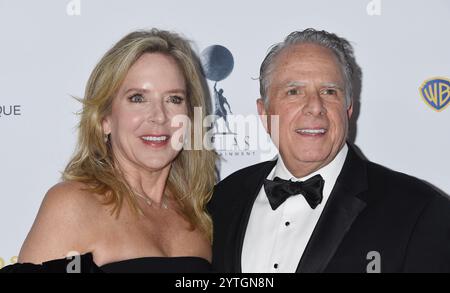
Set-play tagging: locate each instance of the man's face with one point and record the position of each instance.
(307, 91)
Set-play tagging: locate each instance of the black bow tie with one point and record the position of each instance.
(279, 190)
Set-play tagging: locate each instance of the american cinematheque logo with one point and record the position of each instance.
(10, 110)
(233, 134)
(436, 92)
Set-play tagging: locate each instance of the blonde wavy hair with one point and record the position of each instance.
(192, 175)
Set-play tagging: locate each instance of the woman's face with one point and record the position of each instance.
(151, 95)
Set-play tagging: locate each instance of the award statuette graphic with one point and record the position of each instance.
(218, 63)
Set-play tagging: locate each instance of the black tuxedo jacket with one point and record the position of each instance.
(370, 208)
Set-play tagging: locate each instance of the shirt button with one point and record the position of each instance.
(287, 224)
(275, 266)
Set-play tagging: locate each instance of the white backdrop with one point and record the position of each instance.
(48, 49)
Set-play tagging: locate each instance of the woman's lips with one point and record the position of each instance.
(155, 140)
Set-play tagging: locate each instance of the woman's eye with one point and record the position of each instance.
(175, 99)
(137, 99)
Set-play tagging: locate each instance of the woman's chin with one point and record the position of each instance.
(156, 164)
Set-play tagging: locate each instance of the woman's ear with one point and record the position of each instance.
(106, 125)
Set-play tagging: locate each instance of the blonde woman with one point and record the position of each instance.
(130, 201)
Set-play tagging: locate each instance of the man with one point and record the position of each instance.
(348, 214)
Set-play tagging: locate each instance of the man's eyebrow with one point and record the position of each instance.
(331, 85)
(295, 83)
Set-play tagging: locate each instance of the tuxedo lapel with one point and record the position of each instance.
(341, 210)
(250, 192)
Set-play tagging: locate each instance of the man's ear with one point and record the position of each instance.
(350, 111)
(263, 115)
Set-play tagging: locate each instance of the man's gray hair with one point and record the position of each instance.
(340, 46)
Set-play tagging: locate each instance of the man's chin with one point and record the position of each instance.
(311, 157)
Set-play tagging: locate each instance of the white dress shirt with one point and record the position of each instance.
(276, 239)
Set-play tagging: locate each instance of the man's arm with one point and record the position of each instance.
(429, 246)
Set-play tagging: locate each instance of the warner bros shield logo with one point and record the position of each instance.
(436, 92)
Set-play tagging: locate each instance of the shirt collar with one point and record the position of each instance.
(329, 172)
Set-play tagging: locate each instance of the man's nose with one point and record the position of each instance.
(314, 105)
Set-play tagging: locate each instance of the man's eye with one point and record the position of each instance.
(175, 99)
(136, 99)
(293, 92)
(330, 92)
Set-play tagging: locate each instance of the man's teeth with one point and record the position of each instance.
(311, 131)
(155, 138)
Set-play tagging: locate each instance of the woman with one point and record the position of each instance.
(131, 199)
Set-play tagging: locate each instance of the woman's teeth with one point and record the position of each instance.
(155, 138)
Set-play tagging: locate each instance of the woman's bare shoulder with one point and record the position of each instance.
(64, 223)
(76, 194)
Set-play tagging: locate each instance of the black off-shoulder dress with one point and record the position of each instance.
(184, 264)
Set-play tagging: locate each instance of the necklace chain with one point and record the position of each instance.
(151, 202)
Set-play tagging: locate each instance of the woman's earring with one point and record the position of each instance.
(107, 137)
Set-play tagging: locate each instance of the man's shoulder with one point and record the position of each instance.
(233, 187)
(246, 173)
(405, 187)
(416, 209)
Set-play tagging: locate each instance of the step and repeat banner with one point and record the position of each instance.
(48, 49)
